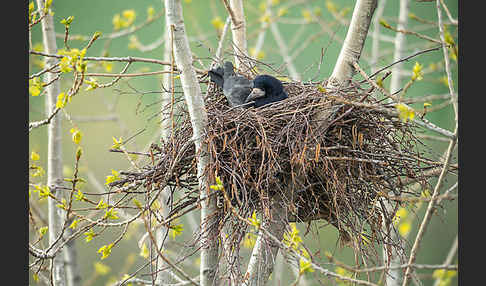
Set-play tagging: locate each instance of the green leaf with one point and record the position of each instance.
(105, 250)
(61, 100)
(417, 73)
(35, 86)
(292, 238)
(44, 192)
(31, 7)
(34, 156)
(110, 214)
(74, 224)
(305, 266)
(144, 251)
(43, 230)
(79, 196)
(63, 204)
(176, 230)
(405, 113)
(112, 178)
(101, 205)
(384, 23)
(79, 152)
(254, 220)
(89, 235)
(67, 21)
(137, 203)
(117, 143)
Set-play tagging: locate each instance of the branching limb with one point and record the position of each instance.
(429, 211)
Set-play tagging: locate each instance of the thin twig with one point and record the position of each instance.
(126, 74)
(453, 21)
(428, 213)
(115, 59)
(402, 60)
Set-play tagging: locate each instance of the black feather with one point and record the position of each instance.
(216, 76)
(236, 88)
(273, 88)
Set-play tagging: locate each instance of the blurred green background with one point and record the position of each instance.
(135, 102)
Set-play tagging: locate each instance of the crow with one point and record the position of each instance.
(236, 88)
(266, 89)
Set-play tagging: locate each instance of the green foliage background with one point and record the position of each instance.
(94, 15)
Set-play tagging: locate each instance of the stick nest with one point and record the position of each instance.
(340, 170)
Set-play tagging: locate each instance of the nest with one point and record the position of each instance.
(340, 170)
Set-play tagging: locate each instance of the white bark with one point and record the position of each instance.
(197, 112)
(265, 251)
(350, 53)
(73, 273)
(219, 50)
(54, 153)
(238, 31)
(278, 269)
(400, 45)
(353, 43)
(164, 277)
(394, 276)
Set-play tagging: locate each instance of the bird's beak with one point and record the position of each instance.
(255, 93)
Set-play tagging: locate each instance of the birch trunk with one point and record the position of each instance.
(400, 45)
(197, 112)
(164, 277)
(353, 43)
(73, 276)
(264, 254)
(350, 52)
(54, 152)
(394, 276)
(238, 31)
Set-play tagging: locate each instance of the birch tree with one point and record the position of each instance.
(163, 277)
(392, 259)
(238, 31)
(57, 216)
(195, 103)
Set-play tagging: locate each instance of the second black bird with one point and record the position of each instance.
(266, 89)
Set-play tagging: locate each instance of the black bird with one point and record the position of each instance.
(216, 76)
(236, 88)
(266, 89)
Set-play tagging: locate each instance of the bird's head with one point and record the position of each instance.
(228, 68)
(264, 86)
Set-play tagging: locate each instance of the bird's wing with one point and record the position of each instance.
(236, 89)
(216, 76)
